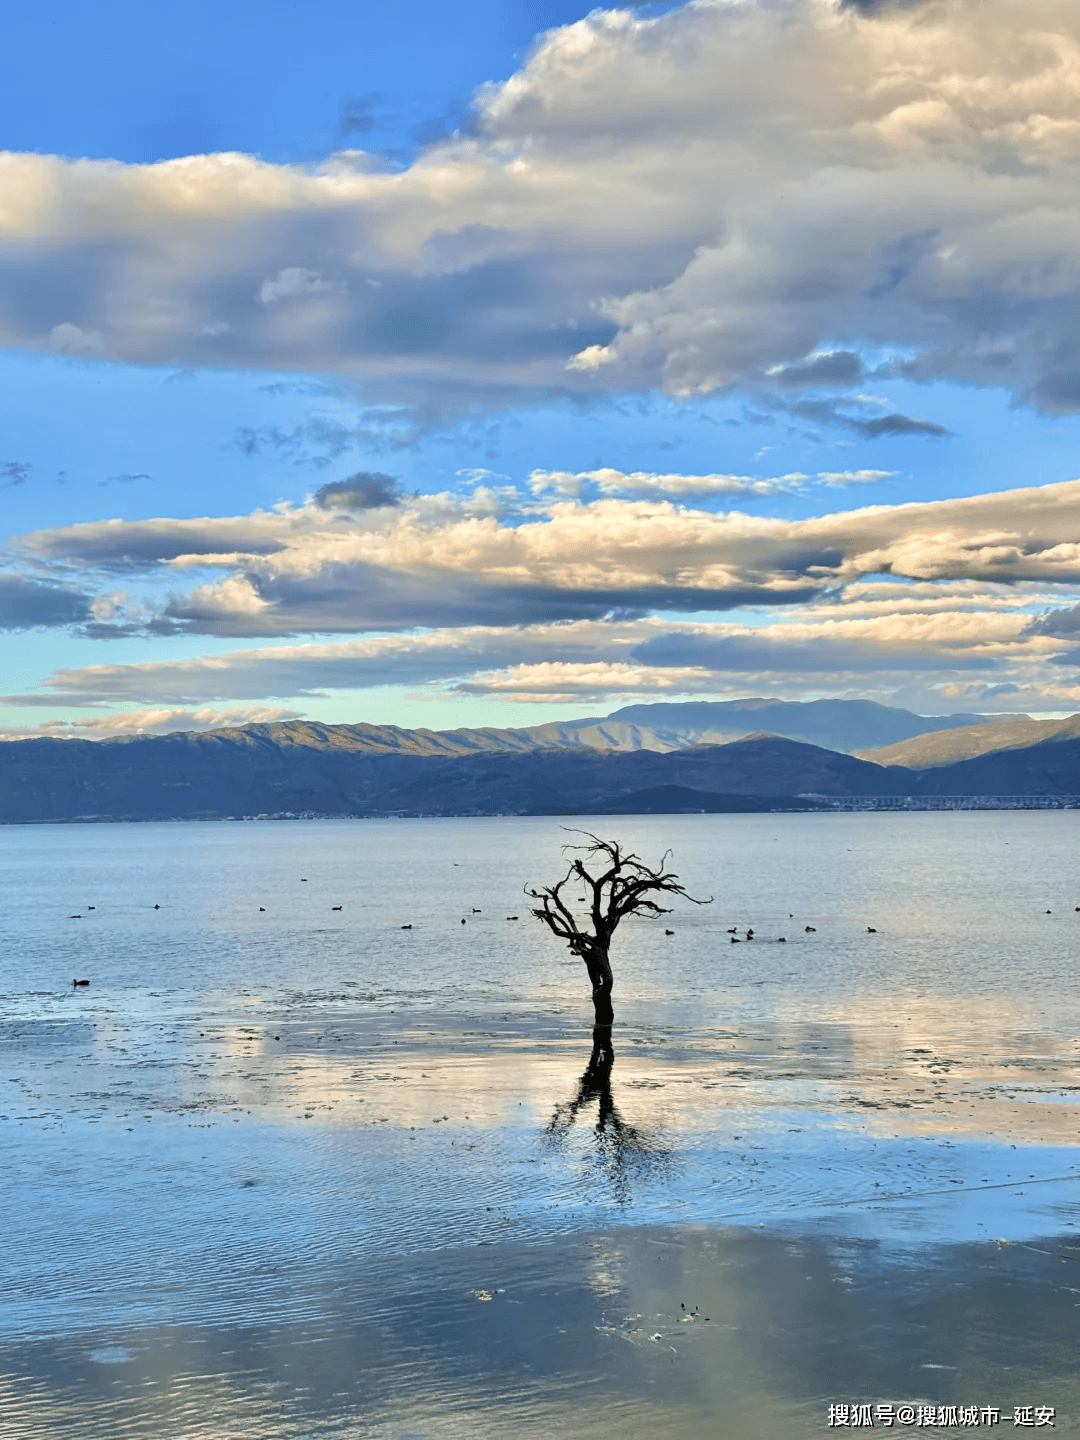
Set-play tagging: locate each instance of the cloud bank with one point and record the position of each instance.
(540, 597)
(493, 558)
(784, 196)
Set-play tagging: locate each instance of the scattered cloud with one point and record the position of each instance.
(832, 368)
(897, 425)
(13, 473)
(357, 114)
(675, 487)
(854, 477)
(366, 490)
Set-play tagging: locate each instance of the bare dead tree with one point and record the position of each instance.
(624, 887)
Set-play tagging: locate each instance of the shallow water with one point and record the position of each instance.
(298, 1171)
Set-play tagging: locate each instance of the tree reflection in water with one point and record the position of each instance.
(623, 1152)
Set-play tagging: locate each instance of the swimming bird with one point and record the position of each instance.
(91, 907)
(335, 907)
(406, 927)
(74, 917)
(749, 934)
(475, 911)
(262, 909)
(810, 929)
(870, 930)
(669, 932)
(733, 930)
(463, 919)
(781, 939)
(157, 907)
(303, 879)
(80, 982)
(511, 917)
(735, 940)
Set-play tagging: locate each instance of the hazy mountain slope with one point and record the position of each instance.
(848, 725)
(1050, 768)
(948, 746)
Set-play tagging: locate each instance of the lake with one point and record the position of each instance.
(284, 1169)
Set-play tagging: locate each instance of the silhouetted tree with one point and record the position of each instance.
(624, 887)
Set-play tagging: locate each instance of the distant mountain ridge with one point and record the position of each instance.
(844, 725)
(248, 772)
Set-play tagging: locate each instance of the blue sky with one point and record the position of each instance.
(510, 363)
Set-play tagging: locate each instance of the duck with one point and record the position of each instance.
(810, 929)
(735, 940)
(335, 907)
(669, 932)
(870, 930)
(80, 982)
(406, 927)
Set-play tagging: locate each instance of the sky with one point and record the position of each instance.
(503, 363)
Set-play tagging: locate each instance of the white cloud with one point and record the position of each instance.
(725, 195)
(291, 281)
(68, 339)
(826, 650)
(854, 477)
(677, 487)
(147, 722)
(484, 559)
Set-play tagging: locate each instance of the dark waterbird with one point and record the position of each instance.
(80, 982)
(335, 907)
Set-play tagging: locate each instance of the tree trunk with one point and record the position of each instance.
(602, 984)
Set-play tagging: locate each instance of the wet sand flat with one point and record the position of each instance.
(319, 1176)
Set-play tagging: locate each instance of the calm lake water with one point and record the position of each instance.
(285, 1169)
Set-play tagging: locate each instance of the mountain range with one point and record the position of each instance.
(366, 770)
